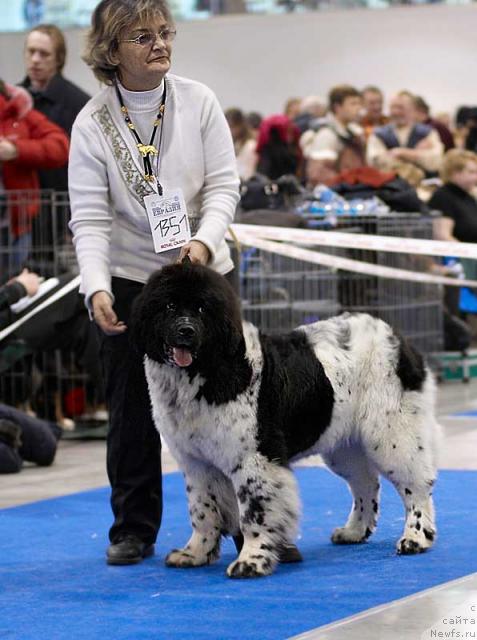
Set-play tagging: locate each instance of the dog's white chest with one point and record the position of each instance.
(194, 427)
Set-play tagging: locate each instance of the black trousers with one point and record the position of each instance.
(133, 443)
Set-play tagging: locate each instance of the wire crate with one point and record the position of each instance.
(34, 232)
(414, 309)
(280, 293)
(61, 377)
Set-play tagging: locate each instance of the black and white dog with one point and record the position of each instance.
(236, 407)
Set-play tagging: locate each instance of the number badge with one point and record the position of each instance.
(168, 219)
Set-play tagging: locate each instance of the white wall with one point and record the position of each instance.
(257, 62)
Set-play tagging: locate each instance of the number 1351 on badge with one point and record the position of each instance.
(168, 220)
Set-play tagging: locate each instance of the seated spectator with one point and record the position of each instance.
(459, 222)
(455, 198)
(254, 120)
(445, 118)
(311, 114)
(465, 121)
(321, 168)
(404, 140)
(341, 134)
(277, 147)
(292, 108)
(63, 326)
(373, 116)
(471, 125)
(25, 438)
(423, 115)
(28, 142)
(245, 144)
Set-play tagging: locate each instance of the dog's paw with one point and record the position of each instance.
(410, 545)
(184, 559)
(250, 568)
(347, 535)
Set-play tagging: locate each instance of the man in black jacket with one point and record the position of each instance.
(57, 98)
(60, 101)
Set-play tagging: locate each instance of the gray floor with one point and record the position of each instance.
(419, 616)
(81, 465)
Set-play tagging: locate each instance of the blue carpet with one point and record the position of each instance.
(464, 414)
(54, 583)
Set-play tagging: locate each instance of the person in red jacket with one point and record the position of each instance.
(28, 142)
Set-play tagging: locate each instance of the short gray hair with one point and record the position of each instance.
(109, 20)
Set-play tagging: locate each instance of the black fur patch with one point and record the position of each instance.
(410, 367)
(296, 398)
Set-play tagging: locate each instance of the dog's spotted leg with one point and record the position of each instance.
(415, 489)
(351, 464)
(420, 529)
(269, 510)
(408, 460)
(212, 509)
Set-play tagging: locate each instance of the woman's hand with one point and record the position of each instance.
(196, 251)
(8, 150)
(31, 281)
(104, 314)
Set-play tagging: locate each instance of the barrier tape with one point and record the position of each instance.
(361, 241)
(346, 264)
(72, 284)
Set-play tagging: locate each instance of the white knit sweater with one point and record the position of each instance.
(110, 227)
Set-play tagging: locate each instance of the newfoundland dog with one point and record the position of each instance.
(236, 407)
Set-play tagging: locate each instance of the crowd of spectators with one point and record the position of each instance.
(352, 127)
(352, 144)
(323, 142)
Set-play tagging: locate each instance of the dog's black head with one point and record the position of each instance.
(185, 315)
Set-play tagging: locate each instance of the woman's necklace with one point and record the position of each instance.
(146, 150)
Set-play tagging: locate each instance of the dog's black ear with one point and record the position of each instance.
(231, 323)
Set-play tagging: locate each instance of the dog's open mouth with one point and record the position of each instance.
(180, 356)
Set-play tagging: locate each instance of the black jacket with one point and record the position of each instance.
(459, 205)
(60, 102)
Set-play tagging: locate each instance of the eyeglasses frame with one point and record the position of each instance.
(159, 33)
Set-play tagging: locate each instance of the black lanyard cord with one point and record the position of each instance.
(149, 150)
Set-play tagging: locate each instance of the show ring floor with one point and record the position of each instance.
(55, 584)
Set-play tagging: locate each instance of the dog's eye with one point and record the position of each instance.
(201, 309)
(170, 306)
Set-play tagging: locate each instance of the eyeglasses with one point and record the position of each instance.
(148, 38)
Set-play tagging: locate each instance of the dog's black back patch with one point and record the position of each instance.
(296, 398)
(410, 367)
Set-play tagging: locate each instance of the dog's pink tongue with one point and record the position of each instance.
(182, 357)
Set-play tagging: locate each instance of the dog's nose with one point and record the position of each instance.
(186, 330)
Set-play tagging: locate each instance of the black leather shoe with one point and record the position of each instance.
(128, 550)
(288, 551)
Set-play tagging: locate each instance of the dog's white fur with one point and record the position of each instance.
(376, 428)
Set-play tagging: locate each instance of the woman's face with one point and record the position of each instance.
(467, 178)
(142, 67)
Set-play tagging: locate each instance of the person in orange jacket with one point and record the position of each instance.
(28, 142)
